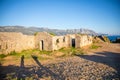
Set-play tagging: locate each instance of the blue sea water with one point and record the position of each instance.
(113, 38)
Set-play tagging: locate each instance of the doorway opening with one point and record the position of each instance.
(41, 45)
(73, 42)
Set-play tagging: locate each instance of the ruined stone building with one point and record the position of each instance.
(13, 41)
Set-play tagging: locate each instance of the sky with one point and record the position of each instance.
(102, 16)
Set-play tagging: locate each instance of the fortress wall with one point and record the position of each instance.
(70, 37)
(43, 41)
(13, 41)
(80, 41)
(67, 41)
(83, 40)
(59, 42)
(27, 42)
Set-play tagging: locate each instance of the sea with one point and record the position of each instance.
(113, 37)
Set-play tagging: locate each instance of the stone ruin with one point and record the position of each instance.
(16, 41)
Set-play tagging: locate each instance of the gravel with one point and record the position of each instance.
(72, 68)
(76, 68)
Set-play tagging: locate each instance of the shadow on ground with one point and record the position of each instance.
(108, 58)
(25, 73)
(35, 72)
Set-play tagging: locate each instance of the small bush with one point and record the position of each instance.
(35, 33)
(94, 46)
(2, 55)
(12, 53)
(52, 34)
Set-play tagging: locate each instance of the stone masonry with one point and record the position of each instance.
(16, 41)
(12, 41)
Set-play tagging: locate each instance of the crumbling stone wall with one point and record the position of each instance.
(43, 41)
(60, 42)
(83, 40)
(66, 41)
(70, 37)
(13, 41)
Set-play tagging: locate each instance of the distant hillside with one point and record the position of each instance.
(32, 30)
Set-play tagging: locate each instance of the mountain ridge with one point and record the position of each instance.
(32, 30)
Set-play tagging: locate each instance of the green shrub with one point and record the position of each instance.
(2, 55)
(12, 53)
(94, 46)
(35, 33)
(52, 33)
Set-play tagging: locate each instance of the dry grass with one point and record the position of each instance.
(14, 58)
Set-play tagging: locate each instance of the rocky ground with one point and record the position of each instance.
(100, 64)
